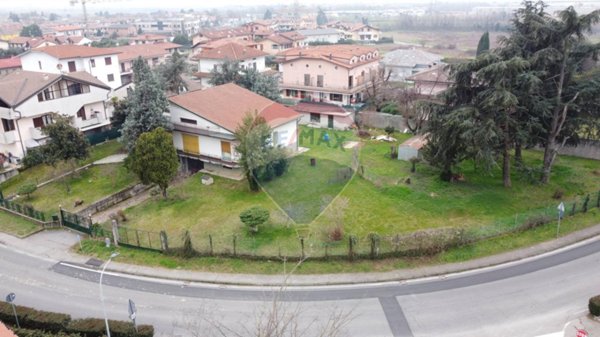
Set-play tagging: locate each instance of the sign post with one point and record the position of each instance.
(132, 313)
(9, 299)
(561, 212)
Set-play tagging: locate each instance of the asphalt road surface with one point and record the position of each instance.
(532, 297)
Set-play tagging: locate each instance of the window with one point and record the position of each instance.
(72, 66)
(306, 79)
(335, 97)
(8, 124)
(320, 81)
(40, 122)
(81, 113)
(316, 118)
(122, 67)
(111, 77)
(93, 63)
(107, 61)
(74, 89)
(188, 121)
(40, 64)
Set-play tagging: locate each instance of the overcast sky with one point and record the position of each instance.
(177, 4)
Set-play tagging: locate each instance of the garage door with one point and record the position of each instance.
(191, 143)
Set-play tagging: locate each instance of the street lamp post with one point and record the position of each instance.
(113, 255)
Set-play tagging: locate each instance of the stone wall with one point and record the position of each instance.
(113, 199)
(381, 120)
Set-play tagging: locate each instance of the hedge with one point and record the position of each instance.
(594, 305)
(54, 323)
(94, 327)
(39, 333)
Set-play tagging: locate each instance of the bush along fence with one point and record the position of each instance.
(56, 324)
(26, 211)
(426, 242)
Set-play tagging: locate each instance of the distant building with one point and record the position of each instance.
(209, 59)
(278, 42)
(68, 30)
(102, 63)
(9, 65)
(327, 35)
(153, 54)
(28, 99)
(205, 36)
(357, 31)
(406, 62)
(148, 39)
(171, 26)
(337, 74)
(431, 82)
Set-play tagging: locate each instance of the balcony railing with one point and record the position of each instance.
(8, 137)
(36, 133)
(91, 121)
(317, 86)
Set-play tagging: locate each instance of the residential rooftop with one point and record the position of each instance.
(131, 52)
(230, 51)
(74, 51)
(348, 56)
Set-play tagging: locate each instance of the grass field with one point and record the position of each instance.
(41, 173)
(16, 225)
(379, 200)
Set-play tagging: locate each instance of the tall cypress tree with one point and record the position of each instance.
(484, 43)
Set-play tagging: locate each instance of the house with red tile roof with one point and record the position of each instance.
(102, 63)
(154, 54)
(278, 42)
(431, 82)
(212, 58)
(337, 74)
(9, 65)
(28, 100)
(204, 123)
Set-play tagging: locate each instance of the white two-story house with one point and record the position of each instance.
(102, 63)
(29, 99)
(212, 58)
(204, 123)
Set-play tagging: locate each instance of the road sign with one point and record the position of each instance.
(132, 309)
(581, 333)
(10, 297)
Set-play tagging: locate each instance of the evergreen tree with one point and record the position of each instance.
(146, 105)
(154, 159)
(251, 79)
(64, 143)
(253, 137)
(484, 44)
(171, 73)
(31, 31)
(182, 39)
(321, 18)
(268, 15)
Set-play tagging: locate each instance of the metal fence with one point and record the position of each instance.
(25, 210)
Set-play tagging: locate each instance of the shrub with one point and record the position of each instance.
(558, 194)
(389, 130)
(34, 157)
(122, 215)
(534, 222)
(336, 233)
(364, 134)
(27, 189)
(187, 251)
(33, 319)
(95, 327)
(390, 108)
(38, 333)
(254, 217)
(594, 305)
(280, 165)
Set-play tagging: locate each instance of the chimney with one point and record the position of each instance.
(330, 56)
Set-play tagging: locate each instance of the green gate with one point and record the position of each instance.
(76, 222)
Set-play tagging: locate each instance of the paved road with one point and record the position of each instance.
(529, 298)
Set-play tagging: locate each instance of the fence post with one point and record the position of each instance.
(60, 215)
(351, 243)
(585, 203)
(374, 237)
(137, 237)
(574, 208)
(115, 232)
(598, 200)
(164, 243)
(234, 245)
(210, 243)
(302, 245)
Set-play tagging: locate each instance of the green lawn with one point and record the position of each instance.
(41, 173)
(16, 225)
(379, 200)
(89, 185)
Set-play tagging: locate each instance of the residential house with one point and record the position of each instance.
(431, 82)
(154, 54)
(239, 33)
(406, 62)
(102, 63)
(363, 32)
(148, 39)
(209, 59)
(326, 35)
(278, 42)
(9, 65)
(28, 99)
(260, 25)
(17, 42)
(204, 123)
(171, 26)
(69, 30)
(4, 44)
(338, 74)
(324, 115)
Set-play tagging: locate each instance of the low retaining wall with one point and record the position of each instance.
(382, 120)
(5, 175)
(585, 149)
(113, 199)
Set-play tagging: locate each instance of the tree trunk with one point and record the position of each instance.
(518, 152)
(164, 192)
(506, 157)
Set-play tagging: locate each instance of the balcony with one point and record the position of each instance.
(8, 137)
(91, 121)
(324, 87)
(36, 133)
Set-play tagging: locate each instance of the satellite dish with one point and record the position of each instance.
(59, 66)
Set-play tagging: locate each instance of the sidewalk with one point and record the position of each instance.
(55, 245)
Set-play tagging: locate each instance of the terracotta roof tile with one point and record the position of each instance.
(437, 74)
(322, 108)
(231, 51)
(74, 51)
(146, 51)
(348, 56)
(13, 62)
(226, 105)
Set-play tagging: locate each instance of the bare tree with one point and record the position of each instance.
(377, 91)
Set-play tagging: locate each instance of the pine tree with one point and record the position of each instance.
(484, 44)
(146, 105)
(268, 15)
(321, 18)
